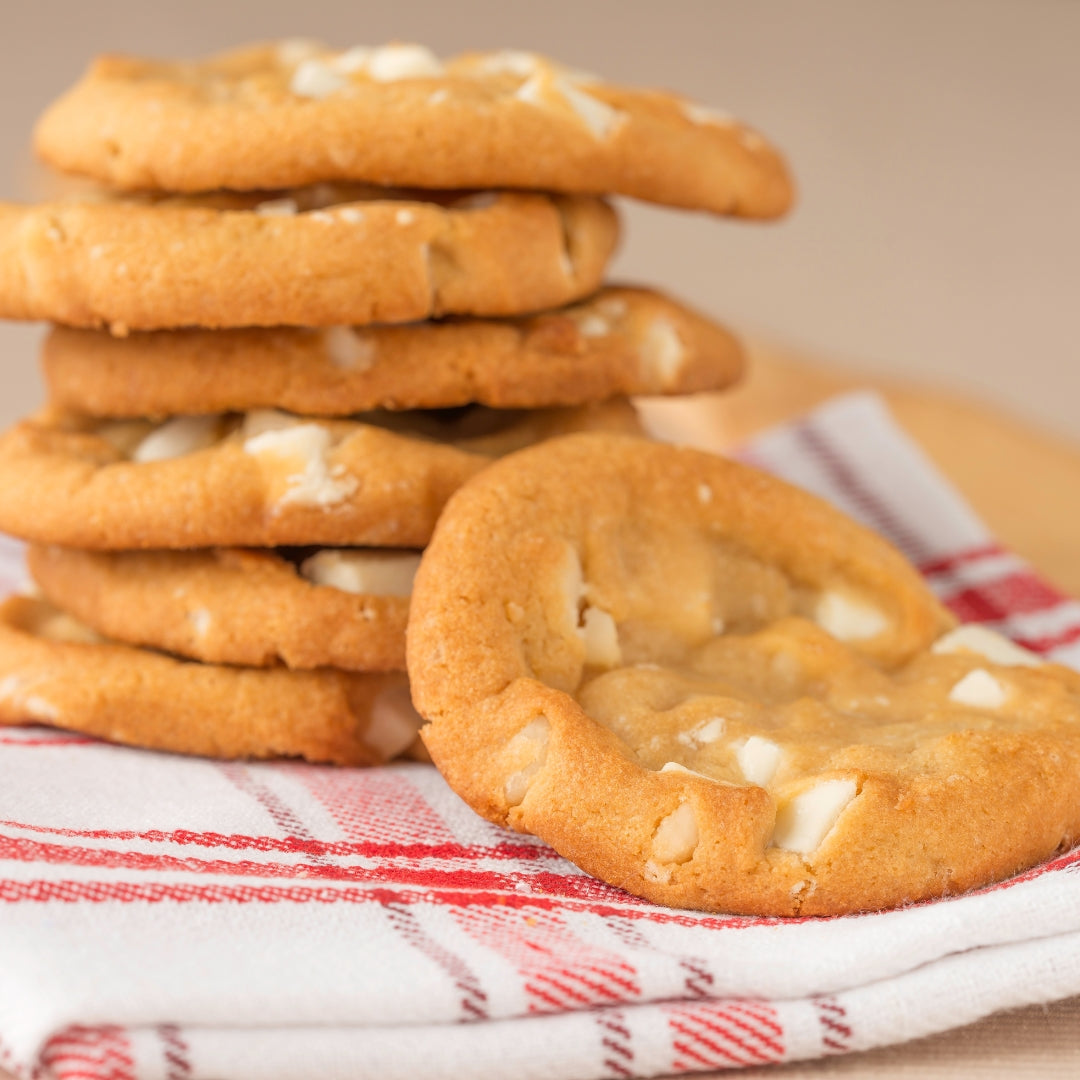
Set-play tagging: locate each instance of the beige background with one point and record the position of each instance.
(936, 144)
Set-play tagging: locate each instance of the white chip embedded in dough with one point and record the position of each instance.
(676, 836)
(371, 573)
(662, 351)
(848, 618)
(987, 644)
(759, 759)
(979, 690)
(314, 483)
(349, 349)
(394, 722)
(177, 437)
(803, 821)
(315, 79)
(390, 63)
(601, 637)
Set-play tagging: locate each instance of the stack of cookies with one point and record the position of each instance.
(312, 295)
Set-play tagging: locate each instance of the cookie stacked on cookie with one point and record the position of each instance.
(315, 292)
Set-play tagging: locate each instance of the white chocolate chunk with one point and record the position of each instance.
(260, 420)
(370, 573)
(704, 494)
(316, 79)
(979, 690)
(675, 767)
(653, 871)
(848, 618)
(59, 626)
(352, 60)
(528, 748)
(405, 217)
(177, 437)
(514, 61)
(291, 51)
(601, 119)
(662, 351)
(394, 722)
(703, 115)
(392, 62)
(201, 620)
(987, 644)
(676, 836)
(759, 759)
(314, 483)
(33, 706)
(704, 734)
(593, 326)
(348, 349)
(803, 821)
(601, 637)
(613, 307)
(351, 215)
(277, 208)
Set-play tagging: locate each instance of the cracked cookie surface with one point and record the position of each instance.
(296, 112)
(715, 691)
(318, 256)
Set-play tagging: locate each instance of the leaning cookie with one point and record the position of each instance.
(55, 671)
(341, 608)
(715, 691)
(297, 113)
(312, 257)
(259, 479)
(622, 341)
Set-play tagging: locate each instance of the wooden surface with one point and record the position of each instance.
(1025, 484)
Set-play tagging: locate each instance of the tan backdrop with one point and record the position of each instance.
(936, 144)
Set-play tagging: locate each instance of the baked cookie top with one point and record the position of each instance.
(622, 341)
(258, 479)
(315, 256)
(304, 608)
(56, 671)
(296, 112)
(715, 691)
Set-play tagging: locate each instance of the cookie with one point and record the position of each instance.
(317, 256)
(55, 671)
(342, 608)
(622, 341)
(259, 479)
(717, 692)
(297, 113)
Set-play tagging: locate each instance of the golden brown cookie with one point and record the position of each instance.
(622, 341)
(297, 113)
(715, 691)
(55, 671)
(343, 608)
(259, 479)
(311, 257)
